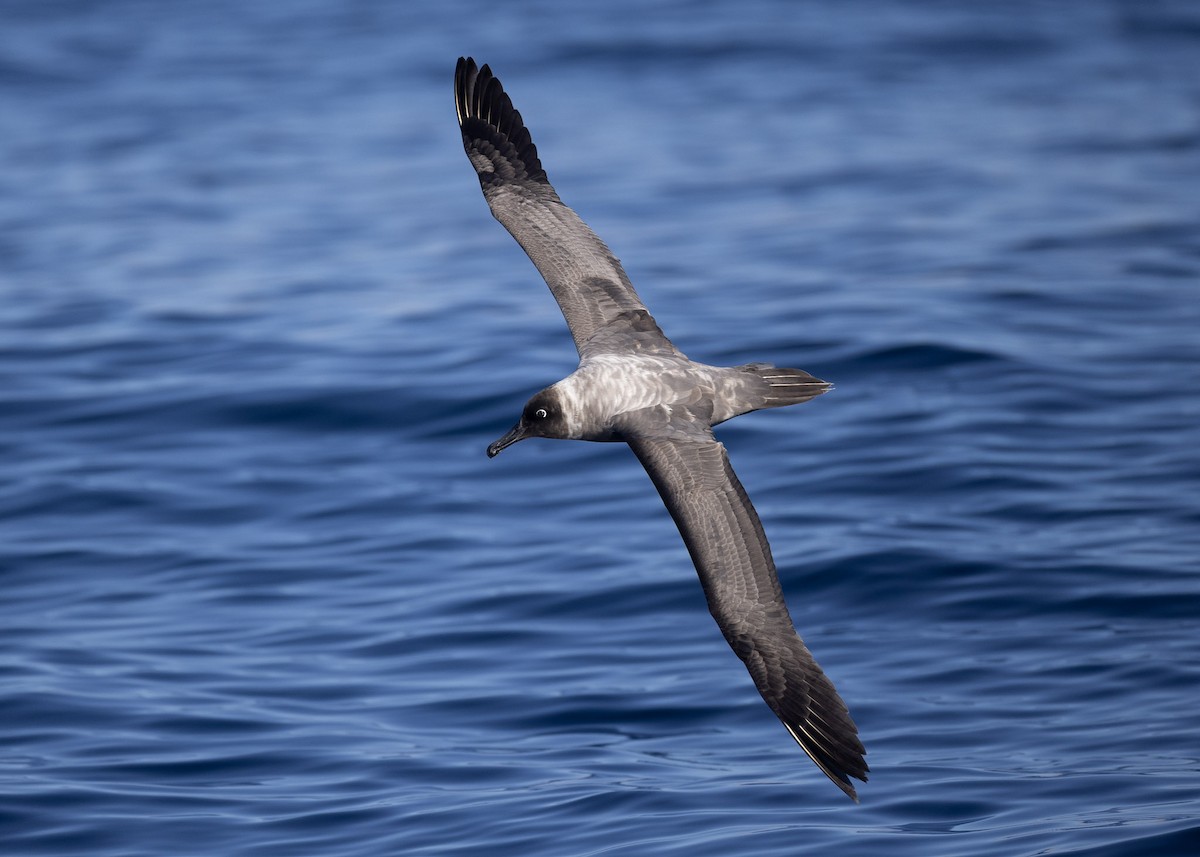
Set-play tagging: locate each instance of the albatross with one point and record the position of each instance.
(633, 385)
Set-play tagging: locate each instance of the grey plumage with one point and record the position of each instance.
(634, 385)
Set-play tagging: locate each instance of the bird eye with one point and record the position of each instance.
(540, 413)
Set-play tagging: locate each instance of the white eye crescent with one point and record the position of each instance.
(540, 413)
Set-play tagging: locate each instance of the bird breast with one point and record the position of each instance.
(608, 385)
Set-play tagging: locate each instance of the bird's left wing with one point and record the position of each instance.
(587, 280)
(726, 541)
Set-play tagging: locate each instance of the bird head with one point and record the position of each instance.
(543, 416)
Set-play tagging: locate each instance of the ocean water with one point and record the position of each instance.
(262, 593)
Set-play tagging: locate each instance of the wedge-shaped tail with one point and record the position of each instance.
(782, 387)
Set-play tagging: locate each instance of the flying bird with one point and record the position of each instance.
(634, 385)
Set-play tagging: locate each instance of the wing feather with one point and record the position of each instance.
(585, 277)
(726, 541)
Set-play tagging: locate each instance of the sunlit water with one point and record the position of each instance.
(262, 593)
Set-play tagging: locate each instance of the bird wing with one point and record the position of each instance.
(602, 309)
(727, 544)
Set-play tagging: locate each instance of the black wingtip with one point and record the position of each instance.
(464, 72)
(849, 761)
(492, 128)
(817, 718)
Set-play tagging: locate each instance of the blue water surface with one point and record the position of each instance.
(261, 592)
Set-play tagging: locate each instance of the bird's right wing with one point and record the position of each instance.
(725, 538)
(587, 280)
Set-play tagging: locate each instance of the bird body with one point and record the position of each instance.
(633, 385)
(614, 397)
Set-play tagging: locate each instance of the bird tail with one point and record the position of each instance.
(775, 387)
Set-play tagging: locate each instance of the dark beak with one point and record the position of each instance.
(516, 433)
